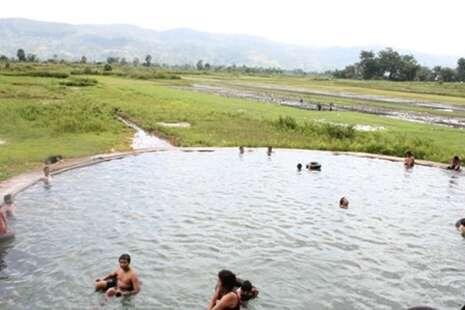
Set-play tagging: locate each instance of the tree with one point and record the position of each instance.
(369, 65)
(389, 61)
(135, 61)
(83, 60)
(107, 67)
(408, 68)
(461, 69)
(3, 58)
(424, 74)
(112, 60)
(31, 58)
(148, 60)
(21, 55)
(448, 75)
(199, 65)
(207, 66)
(123, 61)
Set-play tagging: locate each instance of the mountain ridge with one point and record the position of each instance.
(176, 46)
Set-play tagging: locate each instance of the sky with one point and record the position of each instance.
(434, 27)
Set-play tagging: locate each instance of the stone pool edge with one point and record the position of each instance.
(21, 182)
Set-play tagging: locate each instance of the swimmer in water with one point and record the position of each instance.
(8, 206)
(455, 163)
(409, 160)
(122, 282)
(225, 297)
(460, 225)
(269, 151)
(241, 149)
(299, 167)
(344, 203)
(246, 291)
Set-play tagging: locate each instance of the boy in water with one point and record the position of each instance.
(122, 282)
(455, 163)
(8, 207)
(47, 178)
(246, 291)
(409, 160)
(344, 203)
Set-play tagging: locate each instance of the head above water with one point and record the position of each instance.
(299, 166)
(124, 261)
(408, 154)
(8, 198)
(241, 149)
(344, 203)
(227, 279)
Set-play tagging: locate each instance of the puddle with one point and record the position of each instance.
(179, 125)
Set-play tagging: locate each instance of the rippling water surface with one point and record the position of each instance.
(183, 216)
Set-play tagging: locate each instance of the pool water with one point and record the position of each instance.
(183, 216)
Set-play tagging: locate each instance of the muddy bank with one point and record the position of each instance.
(263, 94)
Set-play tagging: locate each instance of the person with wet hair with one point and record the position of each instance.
(269, 151)
(8, 207)
(409, 160)
(344, 203)
(455, 163)
(299, 167)
(241, 149)
(122, 282)
(225, 297)
(246, 290)
(460, 225)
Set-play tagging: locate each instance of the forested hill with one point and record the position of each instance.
(178, 46)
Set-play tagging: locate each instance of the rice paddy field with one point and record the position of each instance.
(72, 111)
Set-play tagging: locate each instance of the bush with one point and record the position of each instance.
(80, 82)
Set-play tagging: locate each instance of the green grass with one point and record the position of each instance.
(43, 116)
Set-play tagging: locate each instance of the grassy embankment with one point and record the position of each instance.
(74, 116)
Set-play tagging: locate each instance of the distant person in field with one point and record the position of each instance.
(8, 207)
(455, 163)
(122, 282)
(318, 106)
(344, 203)
(409, 160)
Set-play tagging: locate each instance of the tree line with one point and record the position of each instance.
(388, 64)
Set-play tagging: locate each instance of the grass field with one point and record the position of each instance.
(75, 115)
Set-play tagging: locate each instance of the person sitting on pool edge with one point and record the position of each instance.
(47, 178)
(224, 296)
(455, 163)
(122, 282)
(344, 203)
(246, 290)
(8, 206)
(409, 160)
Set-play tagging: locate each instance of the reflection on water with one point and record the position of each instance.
(183, 216)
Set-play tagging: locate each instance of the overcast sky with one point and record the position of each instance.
(434, 26)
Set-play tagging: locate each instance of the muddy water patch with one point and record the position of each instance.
(144, 140)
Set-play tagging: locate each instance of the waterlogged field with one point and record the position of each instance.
(71, 111)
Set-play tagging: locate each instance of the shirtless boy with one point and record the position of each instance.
(122, 282)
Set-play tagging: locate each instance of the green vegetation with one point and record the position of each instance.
(75, 115)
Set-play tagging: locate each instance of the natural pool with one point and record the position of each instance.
(183, 216)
